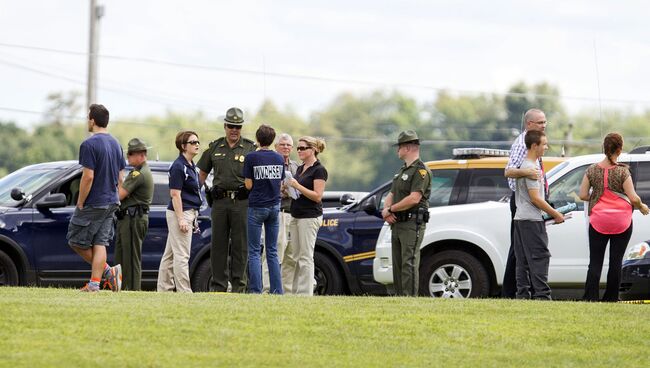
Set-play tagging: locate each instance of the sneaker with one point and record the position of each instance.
(88, 288)
(114, 278)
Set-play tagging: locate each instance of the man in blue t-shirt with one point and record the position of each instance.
(263, 173)
(91, 226)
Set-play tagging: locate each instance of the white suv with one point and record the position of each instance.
(465, 247)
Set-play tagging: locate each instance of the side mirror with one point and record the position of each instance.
(17, 194)
(52, 201)
(347, 198)
(369, 206)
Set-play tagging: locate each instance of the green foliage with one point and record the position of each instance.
(53, 327)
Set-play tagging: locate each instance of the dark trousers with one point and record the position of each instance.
(131, 232)
(509, 285)
(229, 227)
(406, 239)
(533, 256)
(597, 245)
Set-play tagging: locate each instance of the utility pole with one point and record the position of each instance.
(96, 12)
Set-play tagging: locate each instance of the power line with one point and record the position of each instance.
(265, 73)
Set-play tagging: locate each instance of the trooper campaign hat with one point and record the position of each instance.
(234, 116)
(137, 145)
(407, 136)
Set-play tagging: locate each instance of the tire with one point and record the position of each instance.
(8, 271)
(202, 276)
(453, 274)
(329, 280)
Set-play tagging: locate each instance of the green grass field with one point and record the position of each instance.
(62, 327)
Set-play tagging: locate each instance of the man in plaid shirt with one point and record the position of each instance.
(534, 119)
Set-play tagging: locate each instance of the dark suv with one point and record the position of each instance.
(33, 247)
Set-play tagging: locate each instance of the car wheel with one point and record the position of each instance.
(202, 276)
(453, 274)
(8, 271)
(327, 276)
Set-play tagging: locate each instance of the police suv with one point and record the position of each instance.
(465, 247)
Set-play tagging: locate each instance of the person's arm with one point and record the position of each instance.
(628, 187)
(87, 177)
(532, 173)
(386, 212)
(584, 189)
(202, 176)
(407, 202)
(121, 191)
(177, 203)
(539, 202)
(315, 195)
(248, 183)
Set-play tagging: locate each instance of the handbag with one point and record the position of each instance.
(612, 214)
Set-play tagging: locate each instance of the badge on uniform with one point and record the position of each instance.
(423, 172)
(236, 157)
(241, 158)
(405, 176)
(135, 173)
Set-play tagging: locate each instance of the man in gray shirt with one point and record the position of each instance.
(530, 238)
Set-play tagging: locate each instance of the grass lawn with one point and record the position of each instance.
(62, 327)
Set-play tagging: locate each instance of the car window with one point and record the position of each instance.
(161, 195)
(487, 185)
(71, 190)
(30, 180)
(565, 189)
(442, 184)
(642, 187)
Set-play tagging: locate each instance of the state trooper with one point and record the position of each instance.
(229, 200)
(135, 194)
(406, 210)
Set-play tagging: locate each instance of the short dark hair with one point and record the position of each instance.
(181, 139)
(265, 135)
(533, 137)
(99, 114)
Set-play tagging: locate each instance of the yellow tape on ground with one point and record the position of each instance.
(635, 301)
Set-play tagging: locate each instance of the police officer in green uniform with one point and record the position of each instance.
(406, 209)
(225, 158)
(136, 194)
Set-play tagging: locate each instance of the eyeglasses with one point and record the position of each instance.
(193, 142)
(302, 148)
(540, 122)
(233, 126)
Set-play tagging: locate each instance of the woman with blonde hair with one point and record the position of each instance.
(307, 215)
(608, 187)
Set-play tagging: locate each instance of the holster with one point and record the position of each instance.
(420, 214)
(242, 192)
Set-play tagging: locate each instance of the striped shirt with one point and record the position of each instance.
(518, 153)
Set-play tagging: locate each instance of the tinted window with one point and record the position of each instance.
(487, 185)
(30, 180)
(642, 187)
(565, 190)
(442, 184)
(161, 195)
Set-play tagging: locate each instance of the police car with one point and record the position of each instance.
(345, 245)
(465, 248)
(36, 203)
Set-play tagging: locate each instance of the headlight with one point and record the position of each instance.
(638, 251)
(385, 236)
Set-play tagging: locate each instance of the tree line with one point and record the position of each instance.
(359, 129)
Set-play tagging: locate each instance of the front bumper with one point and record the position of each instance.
(635, 280)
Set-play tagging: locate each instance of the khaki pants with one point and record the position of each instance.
(174, 268)
(283, 238)
(298, 262)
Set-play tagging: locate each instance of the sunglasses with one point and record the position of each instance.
(193, 142)
(232, 126)
(302, 148)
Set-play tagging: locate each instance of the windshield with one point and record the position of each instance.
(28, 179)
(556, 169)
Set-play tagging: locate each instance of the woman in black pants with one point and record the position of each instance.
(608, 187)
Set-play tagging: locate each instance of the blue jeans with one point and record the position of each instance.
(269, 217)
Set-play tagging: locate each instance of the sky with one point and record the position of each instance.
(184, 56)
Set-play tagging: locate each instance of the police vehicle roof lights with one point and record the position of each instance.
(479, 152)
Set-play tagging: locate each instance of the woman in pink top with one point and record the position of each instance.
(608, 187)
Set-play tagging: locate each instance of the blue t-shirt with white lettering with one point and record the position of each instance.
(184, 177)
(102, 154)
(266, 169)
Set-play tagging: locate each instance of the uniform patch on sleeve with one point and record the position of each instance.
(135, 173)
(423, 173)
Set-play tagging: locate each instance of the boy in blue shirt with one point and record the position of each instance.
(263, 173)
